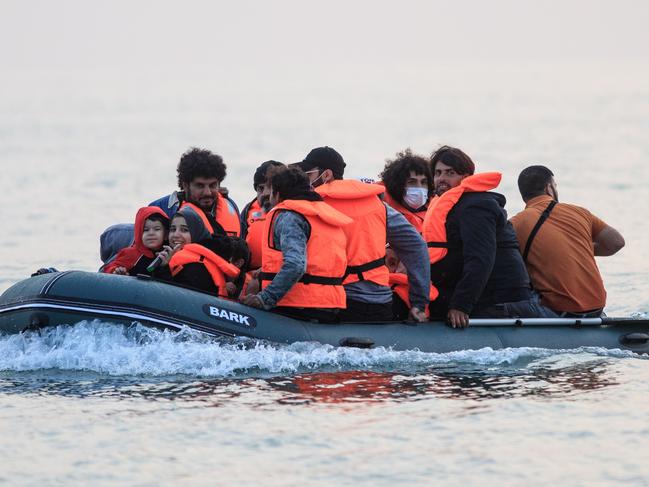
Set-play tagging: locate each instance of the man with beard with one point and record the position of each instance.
(561, 262)
(304, 251)
(475, 261)
(200, 174)
(253, 215)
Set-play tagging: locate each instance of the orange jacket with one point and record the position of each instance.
(366, 236)
(217, 266)
(416, 218)
(399, 285)
(326, 260)
(255, 218)
(434, 230)
(226, 216)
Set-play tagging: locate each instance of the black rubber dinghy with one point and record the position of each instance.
(69, 297)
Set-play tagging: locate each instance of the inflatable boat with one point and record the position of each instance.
(61, 298)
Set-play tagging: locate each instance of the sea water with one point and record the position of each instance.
(99, 403)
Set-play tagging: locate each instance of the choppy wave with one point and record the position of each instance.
(137, 350)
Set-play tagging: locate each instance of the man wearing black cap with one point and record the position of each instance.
(375, 224)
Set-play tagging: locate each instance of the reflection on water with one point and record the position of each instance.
(356, 386)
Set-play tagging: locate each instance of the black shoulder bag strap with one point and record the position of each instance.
(537, 227)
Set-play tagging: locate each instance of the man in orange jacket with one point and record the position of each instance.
(375, 224)
(254, 213)
(303, 252)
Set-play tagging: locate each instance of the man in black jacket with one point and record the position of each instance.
(483, 274)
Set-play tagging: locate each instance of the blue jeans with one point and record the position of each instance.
(529, 308)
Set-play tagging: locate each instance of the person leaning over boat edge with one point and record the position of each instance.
(566, 238)
(475, 261)
(369, 297)
(303, 251)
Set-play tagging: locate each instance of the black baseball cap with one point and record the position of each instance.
(324, 158)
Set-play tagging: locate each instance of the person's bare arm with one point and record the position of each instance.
(608, 242)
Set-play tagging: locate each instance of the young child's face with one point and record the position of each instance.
(153, 235)
(179, 232)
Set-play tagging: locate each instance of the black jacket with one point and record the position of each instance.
(483, 266)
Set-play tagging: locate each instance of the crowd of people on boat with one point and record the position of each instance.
(429, 240)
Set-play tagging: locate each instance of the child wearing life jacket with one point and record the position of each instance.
(195, 258)
(150, 235)
(241, 257)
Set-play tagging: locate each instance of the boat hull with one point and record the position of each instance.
(73, 296)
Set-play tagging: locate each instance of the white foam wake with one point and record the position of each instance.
(137, 350)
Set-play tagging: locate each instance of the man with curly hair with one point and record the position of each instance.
(409, 184)
(200, 174)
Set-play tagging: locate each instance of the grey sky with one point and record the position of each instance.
(290, 33)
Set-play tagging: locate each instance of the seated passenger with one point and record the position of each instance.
(375, 224)
(200, 174)
(475, 261)
(408, 185)
(254, 214)
(197, 259)
(303, 251)
(150, 234)
(241, 259)
(561, 261)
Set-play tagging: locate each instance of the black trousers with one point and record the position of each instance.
(320, 315)
(359, 312)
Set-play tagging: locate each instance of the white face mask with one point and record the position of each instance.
(313, 184)
(415, 197)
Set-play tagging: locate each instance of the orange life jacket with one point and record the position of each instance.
(416, 218)
(217, 266)
(366, 236)
(326, 259)
(246, 282)
(226, 216)
(399, 284)
(255, 218)
(434, 230)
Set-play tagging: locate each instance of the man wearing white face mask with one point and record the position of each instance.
(408, 182)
